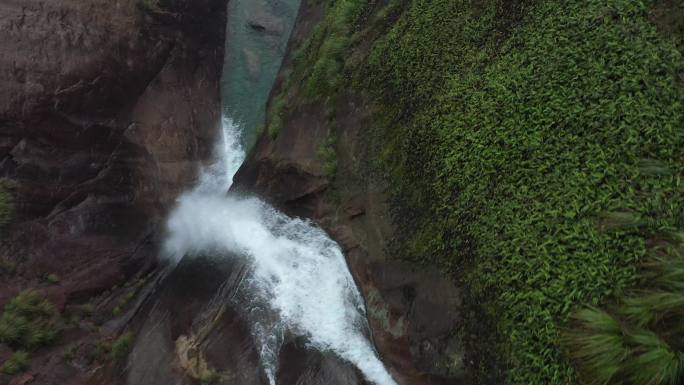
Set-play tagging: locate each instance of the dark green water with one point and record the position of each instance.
(256, 40)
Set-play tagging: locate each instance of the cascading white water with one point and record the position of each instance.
(296, 271)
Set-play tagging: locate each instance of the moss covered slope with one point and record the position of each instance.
(533, 149)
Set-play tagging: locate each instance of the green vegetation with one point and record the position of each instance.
(53, 278)
(151, 6)
(276, 114)
(133, 289)
(328, 155)
(121, 347)
(640, 338)
(6, 202)
(323, 55)
(101, 351)
(116, 350)
(523, 161)
(320, 62)
(533, 149)
(28, 322)
(210, 377)
(17, 363)
(7, 266)
(117, 310)
(70, 353)
(87, 310)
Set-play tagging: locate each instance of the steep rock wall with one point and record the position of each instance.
(414, 311)
(105, 112)
(107, 109)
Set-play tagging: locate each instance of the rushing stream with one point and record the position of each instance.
(297, 282)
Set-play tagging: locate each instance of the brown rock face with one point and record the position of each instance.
(414, 312)
(107, 109)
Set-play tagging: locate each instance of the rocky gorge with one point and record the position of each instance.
(340, 192)
(109, 112)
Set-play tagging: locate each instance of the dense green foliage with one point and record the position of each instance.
(640, 338)
(121, 347)
(28, 322)
(533, 149)
(17, 363)
(320, 61)
(529, 151)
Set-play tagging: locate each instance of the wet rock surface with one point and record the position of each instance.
(414, 312)
(106, 111)
(193, 327)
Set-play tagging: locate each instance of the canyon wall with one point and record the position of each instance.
(414, 311)
(107, 109)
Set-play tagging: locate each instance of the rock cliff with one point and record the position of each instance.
(414, 311)
(106, 111)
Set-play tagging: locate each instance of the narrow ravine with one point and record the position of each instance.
(297, 282)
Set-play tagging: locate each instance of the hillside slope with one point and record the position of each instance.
(529, 150)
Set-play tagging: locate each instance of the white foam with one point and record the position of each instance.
(296, 269)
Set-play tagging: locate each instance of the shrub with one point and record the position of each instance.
(653, 361)
(121, 347)
(17, 363)
(598, 344)
(128, 297)
(6, 201)
(101, 351)
(116, 350)
(53, 279)
(210, 377)
(642, 340)
(87, 310)
(530, 148)
(7, 266)
(28, 321)
(513, 139)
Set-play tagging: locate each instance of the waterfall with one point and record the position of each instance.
(298, 280)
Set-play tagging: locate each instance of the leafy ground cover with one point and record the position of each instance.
(29, 321)
(533, 149)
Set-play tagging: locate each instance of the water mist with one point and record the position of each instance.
(298, 280)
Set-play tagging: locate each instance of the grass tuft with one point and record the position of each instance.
(17, 363)
(598, 345)
(53, 279)
(121, 347)
(648, 308)
(653, 361)
(28, 322)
